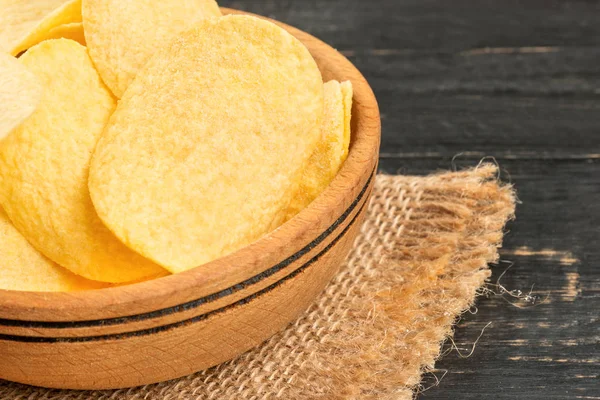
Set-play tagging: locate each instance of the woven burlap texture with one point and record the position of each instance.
(421, 256)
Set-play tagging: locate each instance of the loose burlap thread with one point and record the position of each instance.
(421, 256)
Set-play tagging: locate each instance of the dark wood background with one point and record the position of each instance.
(514, 80)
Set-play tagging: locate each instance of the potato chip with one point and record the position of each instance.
(44, 168)
(199, 156)
(72, 31)
(347, 93)
(24, 24)
(20, 93)
(122, 35)
(23, 268)
(331, 150)
(19, 17)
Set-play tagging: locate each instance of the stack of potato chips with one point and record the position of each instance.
(141, 138)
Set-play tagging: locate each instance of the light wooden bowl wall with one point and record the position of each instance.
(173, 326)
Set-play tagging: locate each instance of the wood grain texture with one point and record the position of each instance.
(163, 329)
(519, 81)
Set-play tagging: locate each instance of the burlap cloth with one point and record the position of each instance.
(417, 264)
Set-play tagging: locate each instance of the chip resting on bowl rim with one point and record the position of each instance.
(200, 157)
(331, 150)
(44, 166)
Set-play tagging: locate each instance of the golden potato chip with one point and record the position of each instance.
(20, 93)
(199, 156)
(27, 23)
(72, 31)
(331, 150)
(122, 35)
(347, 93)
(23, 268)
(44, 167)
(19, 17)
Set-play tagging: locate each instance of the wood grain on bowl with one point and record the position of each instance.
(166, 328)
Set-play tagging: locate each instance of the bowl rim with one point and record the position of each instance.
(18, 307)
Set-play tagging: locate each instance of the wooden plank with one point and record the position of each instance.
(510, 71)
(492, 125)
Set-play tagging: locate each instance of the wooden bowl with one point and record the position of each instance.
(173, 326)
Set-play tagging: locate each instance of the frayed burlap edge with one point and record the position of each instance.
(416, 266)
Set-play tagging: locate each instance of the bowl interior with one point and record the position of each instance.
(249, 261)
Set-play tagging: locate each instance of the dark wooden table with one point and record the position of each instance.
(519, 81)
